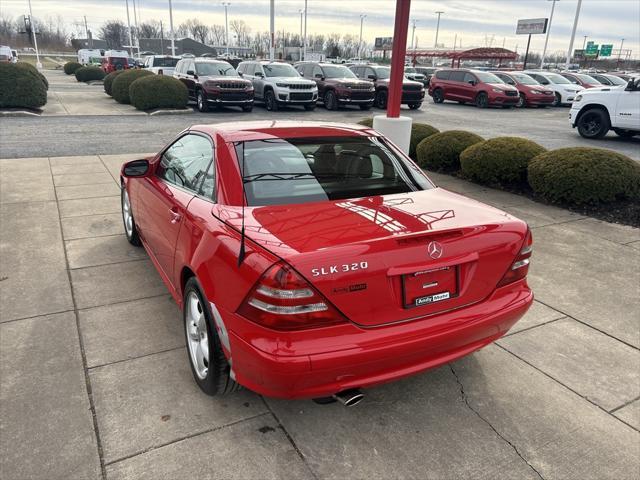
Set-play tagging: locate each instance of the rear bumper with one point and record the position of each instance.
(373, 356)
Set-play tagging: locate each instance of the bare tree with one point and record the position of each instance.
(196, 29)
(150, 29)
(349, 46)
(216, 34)
(114, 32)
(332, 45)
(241, 29)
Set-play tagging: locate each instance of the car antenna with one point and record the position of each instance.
(241, 253)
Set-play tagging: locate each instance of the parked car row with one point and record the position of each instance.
(213, 82)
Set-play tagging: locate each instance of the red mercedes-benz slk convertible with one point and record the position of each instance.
(314, 259)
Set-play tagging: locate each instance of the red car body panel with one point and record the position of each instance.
(382, 340)
(532, 99)
(462, 91)
(577, 80)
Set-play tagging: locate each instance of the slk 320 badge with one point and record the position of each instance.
(334, 269)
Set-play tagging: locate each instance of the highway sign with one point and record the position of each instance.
(605, 50)
(591, 50)
(531, 26)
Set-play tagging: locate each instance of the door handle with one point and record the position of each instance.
(174, 216)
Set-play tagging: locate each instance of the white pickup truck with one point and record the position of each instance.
(595, 111)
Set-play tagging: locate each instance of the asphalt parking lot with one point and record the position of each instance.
(96, 382)
(81, 119)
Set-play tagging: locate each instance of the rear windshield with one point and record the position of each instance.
(165, 61)
(216, 69)
(280, 70)
(300, 170)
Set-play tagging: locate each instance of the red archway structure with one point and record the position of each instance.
(456, 56)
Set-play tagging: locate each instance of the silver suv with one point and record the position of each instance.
(278, 84)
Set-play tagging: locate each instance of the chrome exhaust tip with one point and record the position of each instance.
(349, 398)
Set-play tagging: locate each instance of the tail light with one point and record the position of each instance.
(283, 300)
(520, 266)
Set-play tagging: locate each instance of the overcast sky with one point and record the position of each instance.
(476, 22)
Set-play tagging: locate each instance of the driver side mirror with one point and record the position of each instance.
(136, 168)
(259, 74)
(472, 82)
(319, 76)
(372, 77)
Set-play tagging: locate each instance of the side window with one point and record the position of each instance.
(186, 162)
(468, 78)
(308, 71)
(207, 188)
(572, 80)
(443, 74)
(457, 76)
(369, 73)
(317, 72)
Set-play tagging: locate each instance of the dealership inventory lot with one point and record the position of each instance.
(556, 398)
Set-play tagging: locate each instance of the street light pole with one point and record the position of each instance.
(435, 44)
(304, 43)
(272, 14)
(301, 18)
(129, 28)
(173, 35)
(35, 41)
(584, 42)
(413, 35)
(619, 54)
(362, 17)
(546, 40)
(135, 21)
(226, 25)
(573, 35)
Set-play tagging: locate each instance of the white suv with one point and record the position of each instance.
(597, 110)
(161, 64)
(564, 90)
(277, 84)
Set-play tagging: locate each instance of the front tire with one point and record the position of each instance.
(381, 99)
(482, 100)
(414, 106)
(130, 228)
(310, 108)
(438, 96)
(209, 366)
(557, 101)
(330, 100)
(201, 101)
(365, 107)
(593, 124)
(247, 108)
(270, 101)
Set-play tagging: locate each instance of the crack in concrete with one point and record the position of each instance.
(466, 401)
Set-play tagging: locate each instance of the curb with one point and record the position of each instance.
(185, 111)
(20, 113)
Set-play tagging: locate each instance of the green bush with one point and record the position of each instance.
(584, 175)
(19, 87)
(121, 84)
(87, 74)
(419, 131)
(158, 91)
(33, 71)
(367, 122)
(71, 67)
(499, 161)
(108, 81)
(441, 151)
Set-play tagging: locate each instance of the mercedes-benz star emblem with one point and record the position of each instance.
(435, 250)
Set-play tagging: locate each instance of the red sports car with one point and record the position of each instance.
(311, 260)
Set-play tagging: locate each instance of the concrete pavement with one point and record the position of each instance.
(94, 379)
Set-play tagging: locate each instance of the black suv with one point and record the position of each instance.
(337, 85)
(412, 92)
(213, 83)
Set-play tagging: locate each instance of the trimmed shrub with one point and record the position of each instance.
(419, 131)
(441, 151)
(158, 91)
(584, 175)
(499, 161)
(86, 74)
(33, 71)
(19, 87)
(121, 84)
(367, 122)
(71, 67)
(108, 81)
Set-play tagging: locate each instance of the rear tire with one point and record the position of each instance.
(201, 101)
(330, 100)
(209, 366)
(270, 101)
(381, 99)
(482, 100)
(593, 124)
(438, 95)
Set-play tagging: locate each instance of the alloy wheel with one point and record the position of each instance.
(126, 214)
(197, 336)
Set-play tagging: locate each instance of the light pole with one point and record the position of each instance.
(362, 17)
(435, 44)
(619, 54)
(546, 40)
(226, 25)
(413, 35)
(584, 42)
(35, 41)
(301, 18)
(173, 35)
(129, 28)
(304, 43)
(135, 21)
(272, 30)
(573, 35)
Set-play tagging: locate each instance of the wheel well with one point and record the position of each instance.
(185, 275)
(592, 106)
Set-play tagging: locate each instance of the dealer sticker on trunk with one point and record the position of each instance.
(432, 298)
